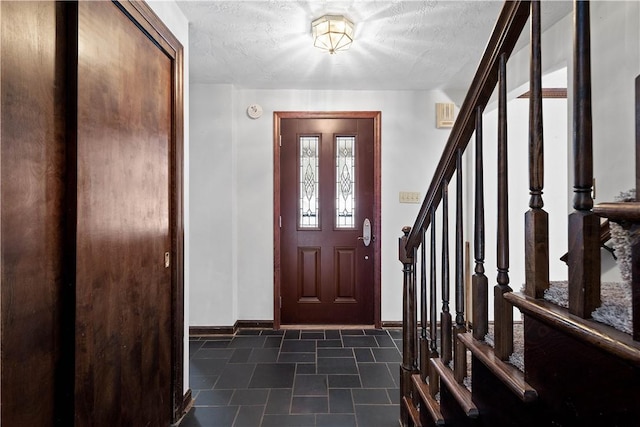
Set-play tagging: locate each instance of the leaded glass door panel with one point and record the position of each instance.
(327, 179)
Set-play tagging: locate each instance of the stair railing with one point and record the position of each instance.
(491, 71)
(438, 349)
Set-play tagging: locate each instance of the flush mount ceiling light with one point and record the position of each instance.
(332, 33)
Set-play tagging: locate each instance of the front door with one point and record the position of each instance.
(327, 208)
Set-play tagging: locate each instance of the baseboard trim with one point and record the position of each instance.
(397, 324)
(185, 407)
(196, 331)
(253, 324)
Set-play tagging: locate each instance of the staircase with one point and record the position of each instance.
(577, 372)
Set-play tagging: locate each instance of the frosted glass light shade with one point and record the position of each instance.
(332, 33)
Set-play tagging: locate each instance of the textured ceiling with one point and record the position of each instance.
(399, 45)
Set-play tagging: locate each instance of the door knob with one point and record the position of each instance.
(366, 232)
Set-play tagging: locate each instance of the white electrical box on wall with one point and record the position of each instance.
(445, 115)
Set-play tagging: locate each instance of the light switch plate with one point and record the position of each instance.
(409, 197)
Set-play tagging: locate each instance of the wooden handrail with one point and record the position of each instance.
(509, 25)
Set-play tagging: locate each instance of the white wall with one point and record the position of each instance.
(173, 18)
(242, 198)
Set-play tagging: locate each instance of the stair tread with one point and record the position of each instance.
(433, 406)
(597, 334)
(459, 391)
(511, 376)
(413, 411)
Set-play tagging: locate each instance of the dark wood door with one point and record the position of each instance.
(32, 232)
(327, 193)
(123, 287)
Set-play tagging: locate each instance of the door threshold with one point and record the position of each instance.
(327, 326)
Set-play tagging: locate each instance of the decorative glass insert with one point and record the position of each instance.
(345, 181)
(309, 176)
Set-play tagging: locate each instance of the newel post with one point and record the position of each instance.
(409, 326)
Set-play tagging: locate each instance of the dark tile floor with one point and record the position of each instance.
(262, 378)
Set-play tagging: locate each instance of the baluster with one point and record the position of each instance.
(434, 384)
(503, 315)
(536, 219)
(635, 279)
(584, 225)
(460, 360)
(408, 366)
(480, 283)
(445, 316)
(424, 341)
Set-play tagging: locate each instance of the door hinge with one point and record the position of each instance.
(167, 259)
(280, 221)
(280, 141)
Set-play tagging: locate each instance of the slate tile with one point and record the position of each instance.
(377, 332)
(292, 334)
(336, 420)
(334, 365)
(235, 376)
(370, 396)
(359, 341)
(306, 369)
(247, 342)
(296, 358)
(311, 335)
(298, 346)
(375, 375)
(279, 401)
(309, 405)
(340, 401)
(264, 355)
(241, 355)
(329, 343)
(273, 375)
(344, 381)
(206, 366)
(213, 353)
(213, 397)
(385, 341)
(249, 416)
(387, 354)
(250, 397)
(272, 342)
(210, 416)
(377, 415)
(363, 355)
(351, 332)
(332, 334)
(216, 344)
(310, 385)
(306, 420)
(279, 332)
(202, 382)
(394, 395)
(335, 352)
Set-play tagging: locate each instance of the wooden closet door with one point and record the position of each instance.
(32, 223)
(123, 294)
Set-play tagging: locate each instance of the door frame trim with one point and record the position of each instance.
(377, 193)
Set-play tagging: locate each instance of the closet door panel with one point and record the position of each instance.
(31, 232)
(123, 287)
